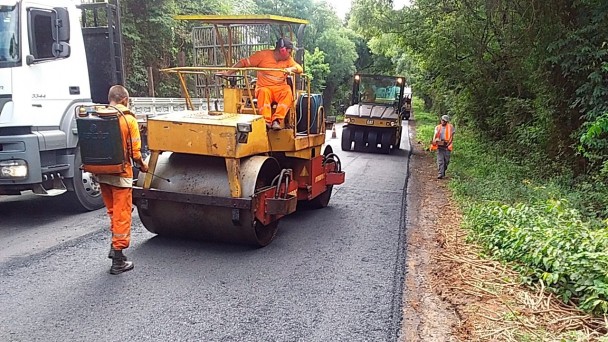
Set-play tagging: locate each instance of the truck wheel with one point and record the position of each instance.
(85, 192)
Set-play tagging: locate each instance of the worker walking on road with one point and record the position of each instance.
(116, 189)
(442, 143)
(272, 86)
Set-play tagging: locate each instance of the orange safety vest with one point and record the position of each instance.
(449, 129)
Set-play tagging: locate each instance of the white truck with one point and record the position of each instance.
(54, 56)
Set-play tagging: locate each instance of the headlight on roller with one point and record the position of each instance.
(15, 168)
(243, 127)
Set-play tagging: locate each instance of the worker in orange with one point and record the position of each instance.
(116, 189)
(272, 86)
(442, 143)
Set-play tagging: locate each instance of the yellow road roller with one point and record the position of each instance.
(373, 120)
(217, 173)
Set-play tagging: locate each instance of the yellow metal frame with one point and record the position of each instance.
(230, 97)
(242, 19)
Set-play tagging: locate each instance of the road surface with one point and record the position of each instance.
(333, 274)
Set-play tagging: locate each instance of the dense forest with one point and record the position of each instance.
(525, 81)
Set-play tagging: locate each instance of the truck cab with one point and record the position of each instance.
(45, 74)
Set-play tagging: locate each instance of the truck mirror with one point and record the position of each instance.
(61, 26)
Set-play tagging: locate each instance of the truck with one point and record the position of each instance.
(56, 55)
(373, 119)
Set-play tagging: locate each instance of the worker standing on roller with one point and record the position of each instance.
(272, 86)
(116, 189)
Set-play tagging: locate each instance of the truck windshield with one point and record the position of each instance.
(379, 89)
(9, 36)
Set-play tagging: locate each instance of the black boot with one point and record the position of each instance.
(111, 254)
(120, 263)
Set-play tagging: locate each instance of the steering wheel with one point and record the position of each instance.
(231, 79)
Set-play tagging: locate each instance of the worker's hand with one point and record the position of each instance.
(143, 167)
(290, 70)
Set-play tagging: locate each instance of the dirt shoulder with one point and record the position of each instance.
(453, 294)
(426, 315)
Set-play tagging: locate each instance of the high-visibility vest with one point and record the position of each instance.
(449, 129)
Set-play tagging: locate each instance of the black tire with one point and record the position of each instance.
(359, 138)
(397, 139)
(85, 192)
(347, 140)
(386, 142)
(372, 141)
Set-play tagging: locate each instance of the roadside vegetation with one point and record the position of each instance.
(549, 247)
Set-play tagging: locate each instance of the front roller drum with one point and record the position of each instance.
(211, 214)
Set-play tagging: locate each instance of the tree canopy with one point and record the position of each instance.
(527, 74)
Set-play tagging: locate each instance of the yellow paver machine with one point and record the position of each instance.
(219, 173)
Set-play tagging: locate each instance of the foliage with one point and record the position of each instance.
(550, 242)
(152, 38)
(317, 69)
(553, 229)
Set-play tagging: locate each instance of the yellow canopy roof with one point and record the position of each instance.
(241, 19)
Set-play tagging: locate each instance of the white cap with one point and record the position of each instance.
(445, 118)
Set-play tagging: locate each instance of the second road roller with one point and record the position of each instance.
(373, 120)
(219, 173)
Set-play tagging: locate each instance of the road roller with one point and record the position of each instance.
(219, 173)
(373, 119)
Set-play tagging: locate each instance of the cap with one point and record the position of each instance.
(445, 118)
(286, 43)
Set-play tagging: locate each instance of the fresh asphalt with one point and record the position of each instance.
(333, 274)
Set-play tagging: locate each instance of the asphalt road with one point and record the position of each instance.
(333, 274)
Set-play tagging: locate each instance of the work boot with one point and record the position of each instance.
(276, 125)
(120, 263)
(111, 254)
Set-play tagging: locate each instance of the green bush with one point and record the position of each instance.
(550, 242)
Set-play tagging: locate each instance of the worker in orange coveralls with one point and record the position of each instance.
(116, 189)
(272, 86)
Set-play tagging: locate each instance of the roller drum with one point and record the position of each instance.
(204, 175)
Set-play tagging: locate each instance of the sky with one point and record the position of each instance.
(343, 6)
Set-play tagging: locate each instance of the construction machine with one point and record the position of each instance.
(373, 120)
(220, 174)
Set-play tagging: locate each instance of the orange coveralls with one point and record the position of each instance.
(272, 85)
(116, 190)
